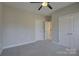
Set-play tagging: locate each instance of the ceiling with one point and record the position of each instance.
(33, 7)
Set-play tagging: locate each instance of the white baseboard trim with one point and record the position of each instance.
(19, 44)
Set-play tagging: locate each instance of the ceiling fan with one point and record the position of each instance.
(43, 4)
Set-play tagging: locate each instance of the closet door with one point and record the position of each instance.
(66, 30)
(76, 30)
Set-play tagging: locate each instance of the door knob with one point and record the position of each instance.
(69, 33)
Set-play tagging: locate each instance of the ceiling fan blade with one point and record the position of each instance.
(40, 7)
(35, 2)
(49, 6)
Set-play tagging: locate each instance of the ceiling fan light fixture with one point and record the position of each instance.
(44, 4)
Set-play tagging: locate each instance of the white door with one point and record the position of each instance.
(69, 30)
(66, 30)
(76, 30)
(39, 29)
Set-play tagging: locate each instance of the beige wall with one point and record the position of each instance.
(19, 27)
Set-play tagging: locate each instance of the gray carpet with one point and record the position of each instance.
(40, 48)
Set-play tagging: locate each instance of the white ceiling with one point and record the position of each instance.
(33, 7)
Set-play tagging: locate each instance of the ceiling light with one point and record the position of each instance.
(44, 4)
